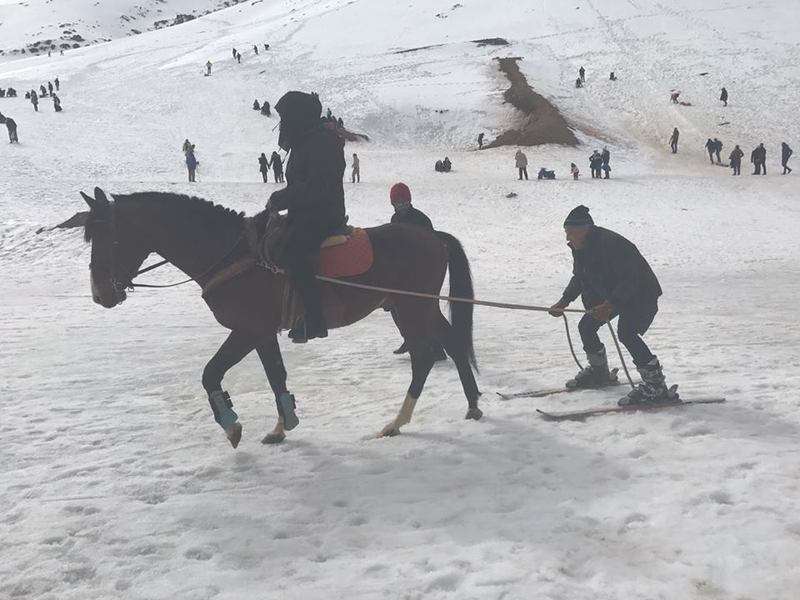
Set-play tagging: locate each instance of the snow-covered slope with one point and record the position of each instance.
(42, 26)
(117, 483)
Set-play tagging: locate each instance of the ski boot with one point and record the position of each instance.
(225, 416)
(596, 375)
(653, 389)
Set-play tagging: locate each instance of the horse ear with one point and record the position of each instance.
(100, 196)
(89, 200)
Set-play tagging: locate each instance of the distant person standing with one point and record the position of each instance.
(673, 140)
(50, 87)
(759, 159)
(605, 155)
(265, 110)
(582, 74)
(11, 125)
(736, 160)
(786, 153)
(208, 68)
(717, 150)
(573, 168)
(239, 57)
(277, 167)
(521, 161)
(57, 103)
(612, 76)
(710, 146)
(35, 100)
(263, 166)
(356, 174)
(43, 91)
(233, 50)
(191, 163)
(256, 105)
(58, 84)
(255, 49)
(480, 141)
(595, 164)
(578, 83)
(723, 96)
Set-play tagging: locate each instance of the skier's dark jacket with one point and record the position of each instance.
(412, 216)
(609, 267)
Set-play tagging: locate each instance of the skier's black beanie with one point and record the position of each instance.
(578, 216)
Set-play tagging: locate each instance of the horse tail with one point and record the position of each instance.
(460, 287)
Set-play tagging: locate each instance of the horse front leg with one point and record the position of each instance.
(233, 350)
(269, 352)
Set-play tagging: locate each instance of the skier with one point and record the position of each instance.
(191, 163)
(35, 100)
(480, 141)
(265, 109)
(786, 153)
(57, 103)
(58, 84)
(256, 105)
(736, 160)
(263, 166)
(606, 156)
(759, 159)
(573, 168)
(582, 74)
(277, 166)
(710, 147)
(11, 125)
(673, 140)
(50, 87)
(356, 174)
(724, 97)
(314, 199)
(404, 212)
(595, 164)
(612, 278)
(521, 162)
(717, 150)
(208, 68)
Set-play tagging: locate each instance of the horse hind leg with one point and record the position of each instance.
(458, 353)
(270, 354)
(422, 360)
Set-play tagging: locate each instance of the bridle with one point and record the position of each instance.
(121, 284)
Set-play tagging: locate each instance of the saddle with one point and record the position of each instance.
(346, 253)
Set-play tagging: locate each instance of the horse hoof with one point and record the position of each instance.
(474, 413)
(234, 434)
(389, 431)
(273, 438)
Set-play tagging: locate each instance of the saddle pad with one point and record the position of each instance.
(348, 259)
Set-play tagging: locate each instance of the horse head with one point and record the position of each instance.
(116, 252)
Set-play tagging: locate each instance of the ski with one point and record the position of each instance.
(554, 391)
(580, 415)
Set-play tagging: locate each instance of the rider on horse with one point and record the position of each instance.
(313, 197)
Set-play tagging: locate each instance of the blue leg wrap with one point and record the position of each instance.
(222, 407)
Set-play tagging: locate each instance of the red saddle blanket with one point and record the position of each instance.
(346, 256)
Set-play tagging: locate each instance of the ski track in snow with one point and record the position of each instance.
(117, 482)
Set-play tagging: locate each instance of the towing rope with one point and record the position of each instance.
(506, 305)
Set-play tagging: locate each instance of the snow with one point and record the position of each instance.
(117, 482)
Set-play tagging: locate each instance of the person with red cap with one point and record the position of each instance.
(404, 213)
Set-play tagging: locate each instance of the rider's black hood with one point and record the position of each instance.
(300, 113)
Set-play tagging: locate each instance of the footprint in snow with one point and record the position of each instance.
(199, 553)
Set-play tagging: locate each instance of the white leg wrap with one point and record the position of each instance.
(406, 411)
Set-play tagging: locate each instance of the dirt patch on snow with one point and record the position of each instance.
(539, 121)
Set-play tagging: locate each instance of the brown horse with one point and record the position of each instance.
(205, 240)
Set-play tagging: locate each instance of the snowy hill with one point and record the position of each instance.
(117, 482)
(42, 26)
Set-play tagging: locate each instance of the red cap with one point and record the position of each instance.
(400, 194)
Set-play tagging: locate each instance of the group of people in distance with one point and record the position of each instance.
(33, 96)
(598, 163)
(275, 163)
(758, 157)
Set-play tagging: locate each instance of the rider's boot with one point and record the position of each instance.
(653, 388)
(225, 416)
(595, 375)
(313, 323)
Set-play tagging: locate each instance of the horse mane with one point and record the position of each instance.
(211, 215)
